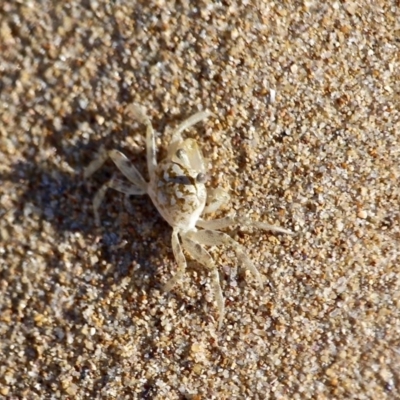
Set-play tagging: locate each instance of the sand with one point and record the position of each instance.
(306, 136)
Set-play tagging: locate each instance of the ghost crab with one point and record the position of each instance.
(177, 189)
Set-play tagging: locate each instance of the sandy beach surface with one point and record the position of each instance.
(306, 135)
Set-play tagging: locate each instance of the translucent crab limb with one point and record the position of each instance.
(142, 117)
(98, 161)
(244, 222)
(123, 164)
(180, 260)
(128, 169)
(216, 238)
(116, 184)
(203, 257)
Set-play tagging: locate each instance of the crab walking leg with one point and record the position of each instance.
(116, 184)
(222, 223)
(128, 169)
(100, 159)
(150, 139)
(215, 238)
(180, 260)
(123, 164)
(203, 257)
(187, 123)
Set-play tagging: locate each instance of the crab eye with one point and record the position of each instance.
(201, 178)
(180, 153)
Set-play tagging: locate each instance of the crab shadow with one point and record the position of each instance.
(54, 197)
(52, 191)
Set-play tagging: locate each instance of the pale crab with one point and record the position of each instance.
(177, 189)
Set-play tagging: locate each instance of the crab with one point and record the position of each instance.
(177, 189)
